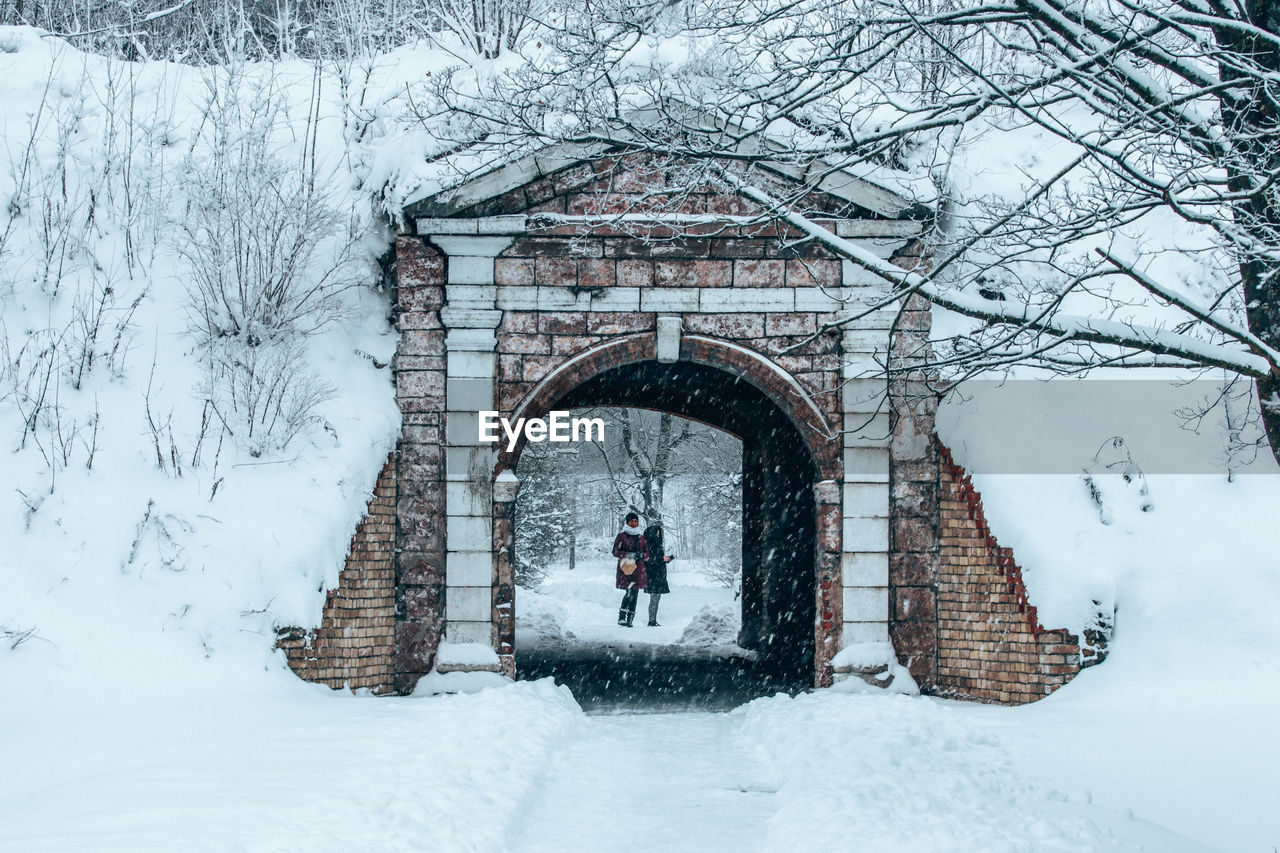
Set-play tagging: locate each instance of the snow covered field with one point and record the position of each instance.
(1169, 745)
(280, 766)
(580, 607)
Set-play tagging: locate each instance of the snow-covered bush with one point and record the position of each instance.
(714, 626)
(264, 395)
(74, 308)
(269, 258)
(256, 225)
(725, 569)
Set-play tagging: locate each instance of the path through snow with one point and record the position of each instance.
(644, 782)
(518, 768)
(817, 773)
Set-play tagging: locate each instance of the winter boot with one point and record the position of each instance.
(631, 615)
(653, 623)
(623, 620)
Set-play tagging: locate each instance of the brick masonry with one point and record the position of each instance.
(352, 648)
(914, 553)
(533, 341)
(419, 368)
(991, 646)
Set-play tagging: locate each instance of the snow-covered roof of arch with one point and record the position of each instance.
(487, 179)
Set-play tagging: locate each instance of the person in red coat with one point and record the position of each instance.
(629, 545)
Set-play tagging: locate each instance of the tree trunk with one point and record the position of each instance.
(573, 530)
(662, 462)
(1253, 123)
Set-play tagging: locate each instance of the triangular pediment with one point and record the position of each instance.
(540, 181)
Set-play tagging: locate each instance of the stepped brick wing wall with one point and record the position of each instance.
(991, 646)
(353, 647)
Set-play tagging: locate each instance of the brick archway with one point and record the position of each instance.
(514, 288)
(792, 565)
(739, 361)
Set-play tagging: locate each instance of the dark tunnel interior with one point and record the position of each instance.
(778, 598)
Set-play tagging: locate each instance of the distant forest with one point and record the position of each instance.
(215, 31)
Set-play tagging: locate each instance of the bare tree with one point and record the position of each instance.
(644, 450)
(1148, 235)
(578, 494)
(219, 31)
(490, 27)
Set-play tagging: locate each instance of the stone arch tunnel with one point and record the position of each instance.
(515, 292)
(780, 597)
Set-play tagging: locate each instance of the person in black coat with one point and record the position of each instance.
(656, 569)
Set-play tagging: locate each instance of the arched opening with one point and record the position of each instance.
(677, 637)
(779, 591)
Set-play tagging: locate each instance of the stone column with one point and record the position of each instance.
(914, 566)
(419, 377)
(865, 495)
(470, 318)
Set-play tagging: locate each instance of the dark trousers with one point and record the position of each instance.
(629, 598)
(653, 606)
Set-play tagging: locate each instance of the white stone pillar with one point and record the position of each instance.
(470, 318)
(865, 498)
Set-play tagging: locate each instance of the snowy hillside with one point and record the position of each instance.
(186, 455)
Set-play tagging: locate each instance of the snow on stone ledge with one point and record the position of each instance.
(466, 657)
(458, 681)
(860, 667)
(863, 656)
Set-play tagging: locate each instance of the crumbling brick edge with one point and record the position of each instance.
(992, 647)
(354, 645)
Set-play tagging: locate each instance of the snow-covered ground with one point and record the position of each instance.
(1178, 724)
(519, 768)
(580, 608)
(280, 767)
(1169, 745)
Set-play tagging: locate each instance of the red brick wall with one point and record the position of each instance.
(353, 647)
(533, 343)
(991, 646)
(913, 498)
(419, 367)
